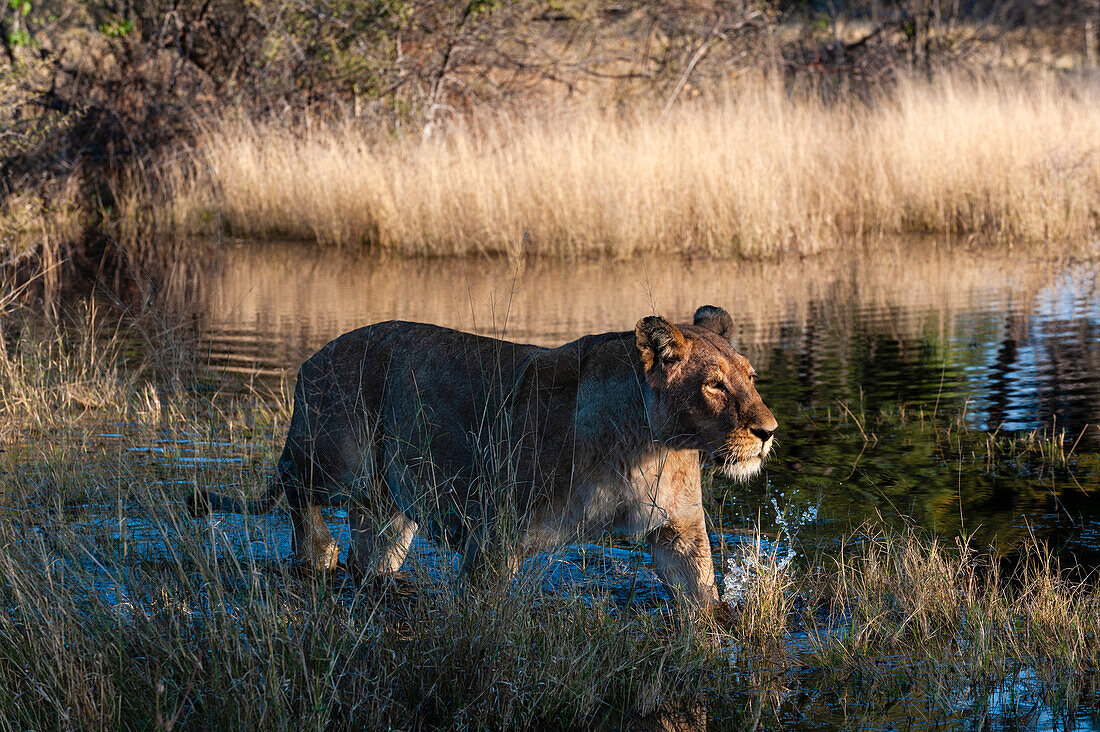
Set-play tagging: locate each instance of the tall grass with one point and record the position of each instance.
(952, 615)
(121, 611)
(201, 640)
(761, 171)
(55, 374)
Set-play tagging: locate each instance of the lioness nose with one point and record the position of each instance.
(763, 434)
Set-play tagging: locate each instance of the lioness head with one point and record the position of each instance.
(706, 392)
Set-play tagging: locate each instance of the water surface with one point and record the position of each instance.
(1000, 342)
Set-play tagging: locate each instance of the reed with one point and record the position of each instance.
(763, 169)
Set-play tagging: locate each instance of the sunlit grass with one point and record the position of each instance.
(764, 170)
(951, 608)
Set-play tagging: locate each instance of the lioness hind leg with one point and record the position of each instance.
(313, 546)
(378, 545)
(682, 560)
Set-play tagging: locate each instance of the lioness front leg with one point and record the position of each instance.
(682, 560)
(313, 546)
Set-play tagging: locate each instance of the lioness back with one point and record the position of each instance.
(405, 383)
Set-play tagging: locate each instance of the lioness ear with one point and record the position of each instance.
(659, 342)
(715, 319)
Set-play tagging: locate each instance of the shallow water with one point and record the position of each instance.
(966, 343)
(1002, 341)
(112, 541)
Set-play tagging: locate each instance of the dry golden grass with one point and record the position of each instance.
(763, 171)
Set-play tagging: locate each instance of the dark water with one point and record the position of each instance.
(963, 343)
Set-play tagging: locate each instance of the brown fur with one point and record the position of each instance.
(499, 449)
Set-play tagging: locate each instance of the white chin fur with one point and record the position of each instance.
(742, 469)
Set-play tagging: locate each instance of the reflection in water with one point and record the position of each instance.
(1010, 342)
(1013, 339)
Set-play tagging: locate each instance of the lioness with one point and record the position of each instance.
(471, 438)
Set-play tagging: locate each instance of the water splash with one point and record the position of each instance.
(744, 570)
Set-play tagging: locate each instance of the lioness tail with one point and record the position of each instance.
(200, 503)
